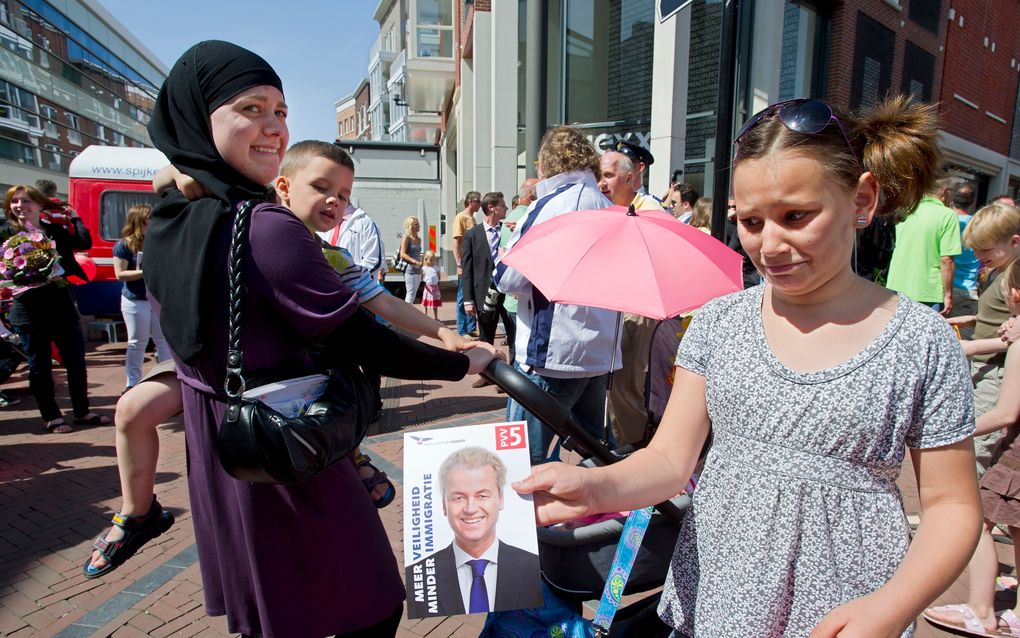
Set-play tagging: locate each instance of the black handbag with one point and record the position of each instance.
(398, 262)
(257, 443)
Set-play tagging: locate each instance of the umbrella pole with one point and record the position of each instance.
(609, 378)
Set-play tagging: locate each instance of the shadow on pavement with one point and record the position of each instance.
(51, 500)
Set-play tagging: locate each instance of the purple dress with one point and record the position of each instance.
(302, 560)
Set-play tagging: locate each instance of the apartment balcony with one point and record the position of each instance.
(428, 81)
(383, 50)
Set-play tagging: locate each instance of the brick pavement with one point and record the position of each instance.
(57, 492)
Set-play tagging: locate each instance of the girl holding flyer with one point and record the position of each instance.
(813, 386)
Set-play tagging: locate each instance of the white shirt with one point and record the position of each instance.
(359, 235)
(465, 575)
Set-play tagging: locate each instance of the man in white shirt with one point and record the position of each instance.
(360, 236)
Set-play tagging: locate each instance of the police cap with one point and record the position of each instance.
(635, 152)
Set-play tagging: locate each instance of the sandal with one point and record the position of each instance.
(968, 623)
(138, 530)
(379, 477)
(92, 419)
(1012, 623)
(58, 426)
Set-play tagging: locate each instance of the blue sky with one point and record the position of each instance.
(319, 47)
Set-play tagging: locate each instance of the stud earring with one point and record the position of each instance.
(862, 221)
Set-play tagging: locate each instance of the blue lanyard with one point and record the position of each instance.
(623, 562)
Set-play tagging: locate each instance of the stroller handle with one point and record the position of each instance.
(551, 413)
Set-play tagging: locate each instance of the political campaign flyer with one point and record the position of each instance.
(470, 543)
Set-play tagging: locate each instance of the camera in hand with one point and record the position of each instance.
(676, 176)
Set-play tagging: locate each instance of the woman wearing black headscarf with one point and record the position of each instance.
(305, 560)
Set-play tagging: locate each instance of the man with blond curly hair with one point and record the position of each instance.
(566, 350)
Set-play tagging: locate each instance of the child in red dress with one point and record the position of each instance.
(430, 297)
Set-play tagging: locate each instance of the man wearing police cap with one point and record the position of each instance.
(642, 159)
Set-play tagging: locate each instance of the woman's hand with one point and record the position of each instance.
(865, 617)
(562, 492)
(481, 355)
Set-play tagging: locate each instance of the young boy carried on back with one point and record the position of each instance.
(315, 183)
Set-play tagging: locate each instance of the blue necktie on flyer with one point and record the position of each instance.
(479, 594)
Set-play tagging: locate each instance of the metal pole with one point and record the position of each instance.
(535, 83)
(609, 378)
(724, 117)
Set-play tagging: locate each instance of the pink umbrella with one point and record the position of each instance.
(644, 262)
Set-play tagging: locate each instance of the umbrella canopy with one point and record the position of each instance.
(644, 262)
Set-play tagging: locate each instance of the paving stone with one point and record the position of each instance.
(60, 493)
(145, 622)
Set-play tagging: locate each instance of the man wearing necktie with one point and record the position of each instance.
(477, 572)
(479, 253)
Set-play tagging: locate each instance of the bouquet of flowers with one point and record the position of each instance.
(28, 259)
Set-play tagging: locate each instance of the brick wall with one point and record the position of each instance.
(985, 78)
(843, 45)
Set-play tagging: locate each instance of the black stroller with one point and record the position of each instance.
(576, 562)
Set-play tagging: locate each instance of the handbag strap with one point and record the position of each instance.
(234, 383)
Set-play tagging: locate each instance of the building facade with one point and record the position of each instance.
(979, 95)
(71, 76)
(351, 117)
(616, 70)
(410, 70)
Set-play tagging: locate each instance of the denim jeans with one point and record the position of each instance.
(141, 324)
(465, 322)
(584, 397)
(412, 281)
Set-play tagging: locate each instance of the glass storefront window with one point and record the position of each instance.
(799, 52)
(600, 67)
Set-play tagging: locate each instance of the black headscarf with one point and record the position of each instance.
(178, 238)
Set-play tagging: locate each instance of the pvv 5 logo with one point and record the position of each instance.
(510, 436)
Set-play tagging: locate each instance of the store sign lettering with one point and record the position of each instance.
(606, 141)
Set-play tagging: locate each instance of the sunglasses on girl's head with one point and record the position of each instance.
(802, 115)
